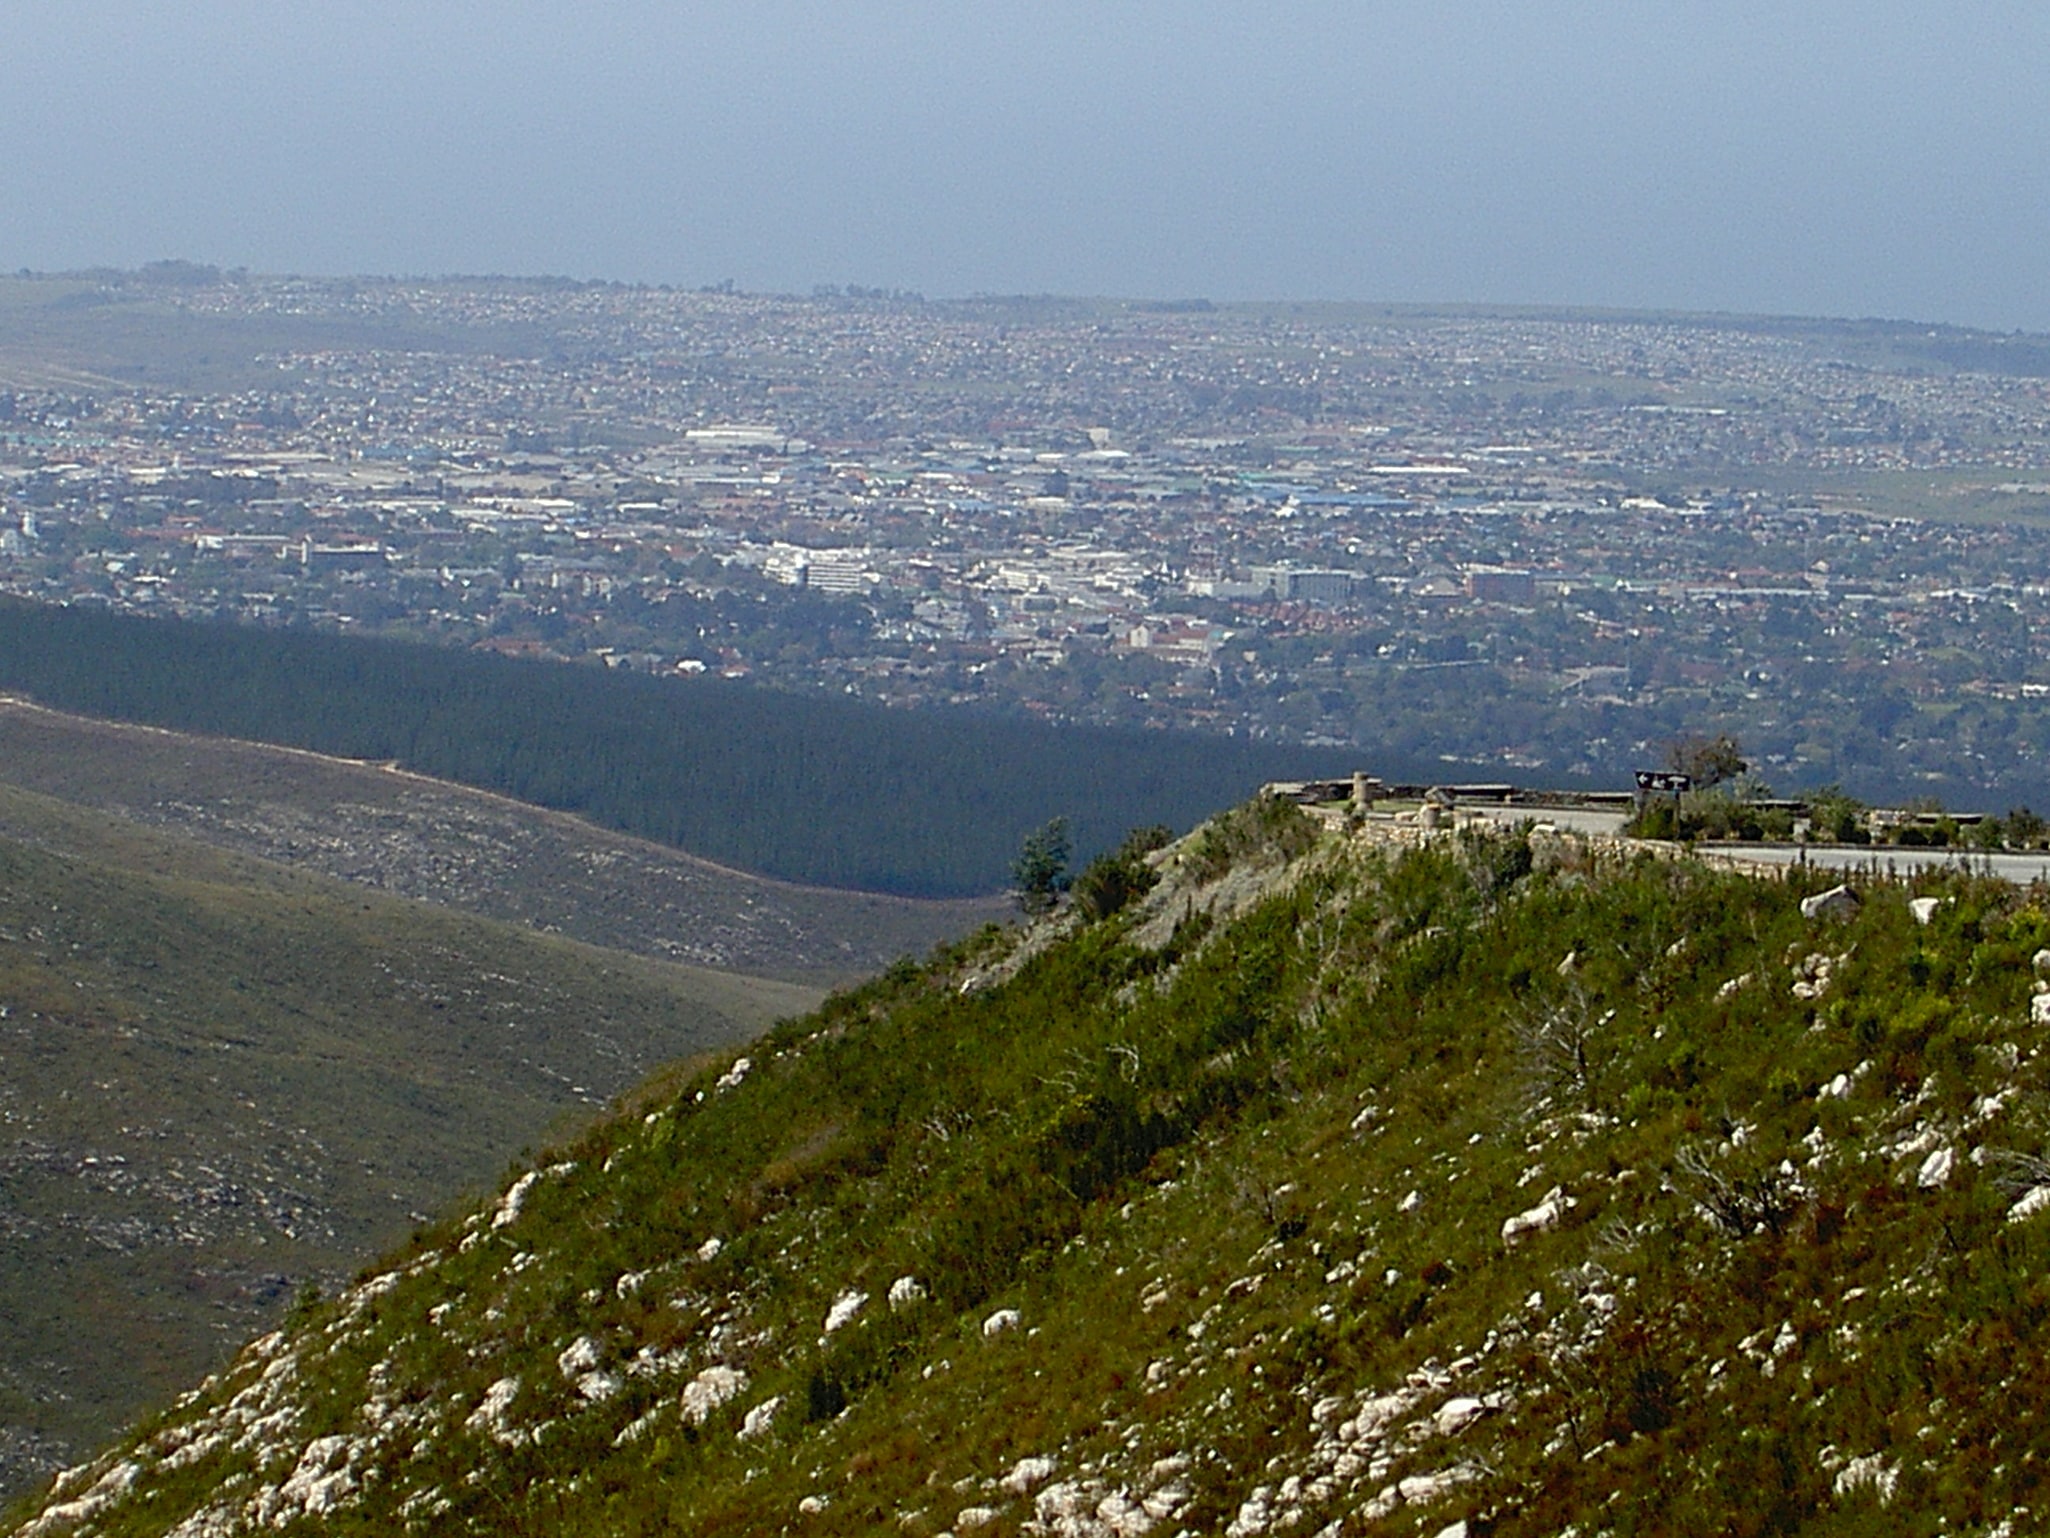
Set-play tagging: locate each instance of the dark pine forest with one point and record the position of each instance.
(808, 788)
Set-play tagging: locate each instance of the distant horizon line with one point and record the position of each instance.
(186, 272)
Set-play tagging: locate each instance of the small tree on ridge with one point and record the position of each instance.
(1040, 873)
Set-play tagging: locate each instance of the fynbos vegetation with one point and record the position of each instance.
(1330, 1187)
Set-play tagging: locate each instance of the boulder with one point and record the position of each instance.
(1544, 1215)
(1839, 902)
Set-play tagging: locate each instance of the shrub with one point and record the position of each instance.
(1265, 829)
(1112, 880)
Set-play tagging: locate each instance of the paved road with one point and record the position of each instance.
(2018, 868)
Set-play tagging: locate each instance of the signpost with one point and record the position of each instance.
(1649, 780)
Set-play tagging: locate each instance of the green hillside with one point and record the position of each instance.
(221, 1080)
(1328, 1188)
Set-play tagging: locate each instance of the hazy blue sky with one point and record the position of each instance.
(1881, 158)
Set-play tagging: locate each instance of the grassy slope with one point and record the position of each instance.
(1245, 1186)
(219, 1078)
(472, 850)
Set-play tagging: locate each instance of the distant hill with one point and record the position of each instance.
(417, 837)
(813, 789)
(1501, 1186)
(221, 1080)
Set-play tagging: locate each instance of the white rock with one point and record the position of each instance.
(650, 1363)
(761, 1418)
(1839, 902)
(1924, 908)
(1027, 1475)
(489, 1416)
(195, 1451)
(1411, 1202)
(1376, 1415)
(710, 1249)
(844, 1308)
(1124, 1517)
(2039, 1008)
(377, 1286)
(1871, 1474)
(108, 1489)
(1423, 1488)
(1169, 1500)
(322, 1481)
(220, 1521)
(515, 1198)
(1455, 1415)
(1065, 1509)
(1255, 1515)
(2037, 1200)
(1920, 1141)
(1546, 1214)
(969, 1518)
(639, 1427)
(731, 1078)
(1935, 1170)
(580, 1356)
(709, 1390)
(905, 1291)
(2041, 962)
(597, 1387)
(1003, 1319)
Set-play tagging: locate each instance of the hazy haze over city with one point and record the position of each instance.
(1876, 159)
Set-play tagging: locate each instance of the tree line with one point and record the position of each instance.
(816, 789)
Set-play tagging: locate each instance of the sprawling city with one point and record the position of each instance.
(1530, 543)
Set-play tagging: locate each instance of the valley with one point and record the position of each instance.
(224, 1081)
(418, 837)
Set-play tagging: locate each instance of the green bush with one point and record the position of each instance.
(1263, 830)
(1110, 881)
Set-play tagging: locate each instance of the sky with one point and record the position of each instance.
(1882, 158)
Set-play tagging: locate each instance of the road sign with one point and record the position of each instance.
(1659, 779)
